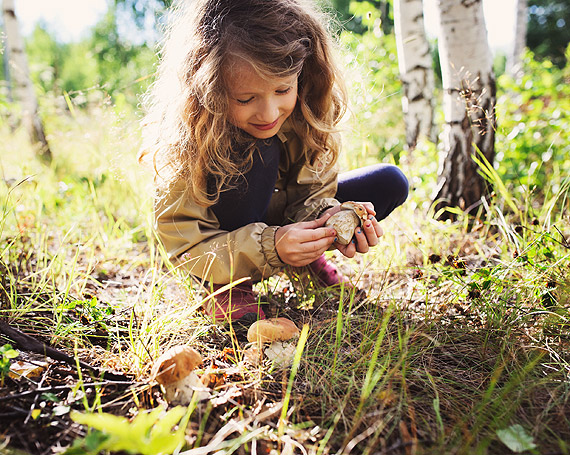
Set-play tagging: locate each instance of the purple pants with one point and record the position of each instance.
(382, 184)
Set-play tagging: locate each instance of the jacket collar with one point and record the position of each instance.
(285, 130)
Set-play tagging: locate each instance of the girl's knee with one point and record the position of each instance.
(385, 185)
(392, 180)
(398, 182)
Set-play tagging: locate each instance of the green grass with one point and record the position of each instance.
(464, 332)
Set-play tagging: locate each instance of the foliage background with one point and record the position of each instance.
(467, 338)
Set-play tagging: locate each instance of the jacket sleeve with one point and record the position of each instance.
(309, 192)
(193, 239)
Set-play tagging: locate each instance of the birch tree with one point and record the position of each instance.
(468, 104)
(21, 86)
(416, 72)
(514, 58)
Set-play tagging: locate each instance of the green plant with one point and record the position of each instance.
(533, 137)
(6, 356)
(461, 344)
(152, 432)
(375, 110)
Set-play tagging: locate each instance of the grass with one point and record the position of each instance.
(463, 333)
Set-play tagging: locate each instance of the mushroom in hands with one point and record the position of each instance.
(174, 371)
(351, 215)
(274, 338)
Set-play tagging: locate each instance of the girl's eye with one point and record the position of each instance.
(283, 92)
(244, 101)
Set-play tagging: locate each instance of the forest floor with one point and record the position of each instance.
(459, 342)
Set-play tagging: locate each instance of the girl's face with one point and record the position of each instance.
(259, 106)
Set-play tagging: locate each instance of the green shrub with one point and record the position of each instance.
(533, 137)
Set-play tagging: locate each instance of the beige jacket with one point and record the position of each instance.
(193, 239)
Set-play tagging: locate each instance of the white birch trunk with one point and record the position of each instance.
(468, 104)
(21, 84)
(416, 72)
(514, 60)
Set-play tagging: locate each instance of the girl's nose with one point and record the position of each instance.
(269, 111)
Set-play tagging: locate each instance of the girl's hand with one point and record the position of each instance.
(299, 244)
(365, 236)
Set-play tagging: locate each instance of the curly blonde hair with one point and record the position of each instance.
(186, 132)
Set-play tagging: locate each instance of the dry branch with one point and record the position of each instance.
(31, 344)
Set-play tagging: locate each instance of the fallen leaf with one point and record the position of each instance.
(516, 438)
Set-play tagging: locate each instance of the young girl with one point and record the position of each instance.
(241, 133)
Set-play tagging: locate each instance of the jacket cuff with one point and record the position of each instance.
(268, 247)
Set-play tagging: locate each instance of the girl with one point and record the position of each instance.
(241, 132)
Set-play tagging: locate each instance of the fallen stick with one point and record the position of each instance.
(59, 388)
(29, 343)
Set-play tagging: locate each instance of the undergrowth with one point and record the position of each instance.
(461, 344)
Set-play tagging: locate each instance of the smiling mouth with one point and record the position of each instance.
(266, 126)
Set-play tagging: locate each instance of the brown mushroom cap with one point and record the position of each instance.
(357, 208)
(175, 364)
(273, 329)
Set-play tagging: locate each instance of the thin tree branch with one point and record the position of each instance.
(29, 343)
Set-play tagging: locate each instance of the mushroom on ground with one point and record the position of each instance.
(344, 222)
(272, 337)
(174, 371)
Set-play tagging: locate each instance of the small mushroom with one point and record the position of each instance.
(174, 371)
(273, 337)
(344, 222)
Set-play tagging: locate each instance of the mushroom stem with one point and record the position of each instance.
(173, 370)
(281, 352)
(271, 337)
(181, 392)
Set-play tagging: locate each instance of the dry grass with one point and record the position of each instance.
(462, 332)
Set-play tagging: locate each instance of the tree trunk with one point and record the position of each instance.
(468, 103)
(21, 84)
(416, 72)
(514, 59)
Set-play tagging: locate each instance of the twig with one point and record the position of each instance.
(36, 398)
(565, 243)
(30, 343)
(15, 412)
(58, 388)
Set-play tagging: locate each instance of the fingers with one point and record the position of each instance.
(308, 237)
(299, 244)
(367, 236)
(369, 208)
(348, 250)
(308, 240)
(377, 228)
(372, 231)
(320, 245)
(315, 235)
(315, 223)
(300, 255)
(362, 245)
(364, 238)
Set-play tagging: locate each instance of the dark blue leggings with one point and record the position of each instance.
(382, 184)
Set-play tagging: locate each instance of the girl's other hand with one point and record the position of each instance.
(299, 244)
(365, 236)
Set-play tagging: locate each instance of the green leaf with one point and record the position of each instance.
(91, 445)
(8, 353)
(149, 433)
(516, 438)
(95, 440)
(49, 396)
